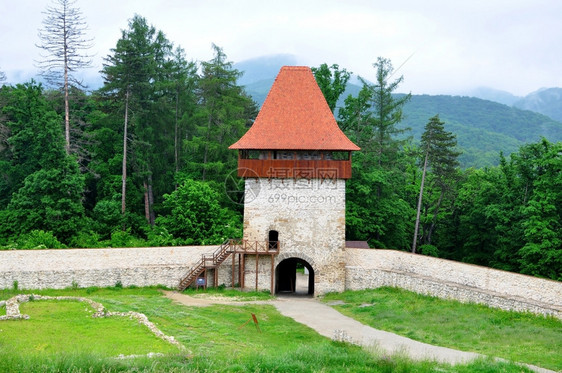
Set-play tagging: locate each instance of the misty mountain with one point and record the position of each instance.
(483, 127)
(496, 95)
(547, 101)
(263, 68)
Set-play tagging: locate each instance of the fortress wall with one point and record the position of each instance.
(452, 280)
(36, 269)
(57, 269)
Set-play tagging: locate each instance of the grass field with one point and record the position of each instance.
(63, 337)
(515, 336)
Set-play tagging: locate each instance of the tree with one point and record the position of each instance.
(43, 188)
(332, 82)
(542, 225)
(129, 74)
(2, 77)
(63, 39)
(196, 216)
(223, 115)
(377, 204)
(438, 154)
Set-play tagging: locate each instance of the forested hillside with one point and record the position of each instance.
(147, 162)
(483, 128)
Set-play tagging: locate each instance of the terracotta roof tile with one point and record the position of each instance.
(295, 116)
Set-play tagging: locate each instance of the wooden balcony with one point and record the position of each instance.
(295, 168)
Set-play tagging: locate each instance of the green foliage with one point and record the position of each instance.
(429, 250)
(125, 239)
(375, 207)
(38, 239)
(196, 216)
(223, 116)
(44, 184)
(332, 82)
(483, 128)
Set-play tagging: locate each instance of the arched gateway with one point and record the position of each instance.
(295, 161)
(294, 276)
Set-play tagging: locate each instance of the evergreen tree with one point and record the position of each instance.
(438, 154)
(44, 186)
(376, 203)
(130, 74)
(223, 115)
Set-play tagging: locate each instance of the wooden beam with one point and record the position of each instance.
(257, 259)
(272, 272)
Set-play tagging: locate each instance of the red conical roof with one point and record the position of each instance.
(295, 116)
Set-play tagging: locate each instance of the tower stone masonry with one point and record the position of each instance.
(295, 161)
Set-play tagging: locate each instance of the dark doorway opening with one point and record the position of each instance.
(294, 276)
(273, 239)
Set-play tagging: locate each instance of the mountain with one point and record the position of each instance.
(547, 101)
(496, 95)
(483, 127)
(263, 68)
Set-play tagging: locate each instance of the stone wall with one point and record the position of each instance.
(39, 269)
(453, 280)
(309, 215)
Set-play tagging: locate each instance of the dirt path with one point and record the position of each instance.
(332, 324)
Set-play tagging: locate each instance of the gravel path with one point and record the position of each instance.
(332, 324)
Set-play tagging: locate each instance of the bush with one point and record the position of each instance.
(126, 239)
(429, 250)
(86, 240)
(38, 239)
(159, 236)
(196, 216)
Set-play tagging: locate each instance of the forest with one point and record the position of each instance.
(144, 160)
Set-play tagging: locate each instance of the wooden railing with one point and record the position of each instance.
(231, 246)
(295, 168)
(241, 246)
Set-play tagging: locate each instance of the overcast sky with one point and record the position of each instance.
(439, 46)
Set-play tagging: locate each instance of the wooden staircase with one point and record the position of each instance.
(206, 262)
(227, 248)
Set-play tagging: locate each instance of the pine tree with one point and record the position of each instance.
(438, 151)
(376, 207)
(223, 115)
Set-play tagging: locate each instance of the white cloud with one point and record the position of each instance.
(452, 46)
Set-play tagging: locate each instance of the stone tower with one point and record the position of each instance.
(295, 161)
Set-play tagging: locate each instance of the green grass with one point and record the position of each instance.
(217, 337)
(56, 326)
(514, 336)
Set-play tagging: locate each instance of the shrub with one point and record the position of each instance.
(38, 239)
(429, 250)
(86, 239)
(125, 239)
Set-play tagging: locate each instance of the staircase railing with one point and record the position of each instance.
(227, 248)
(218, 256)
